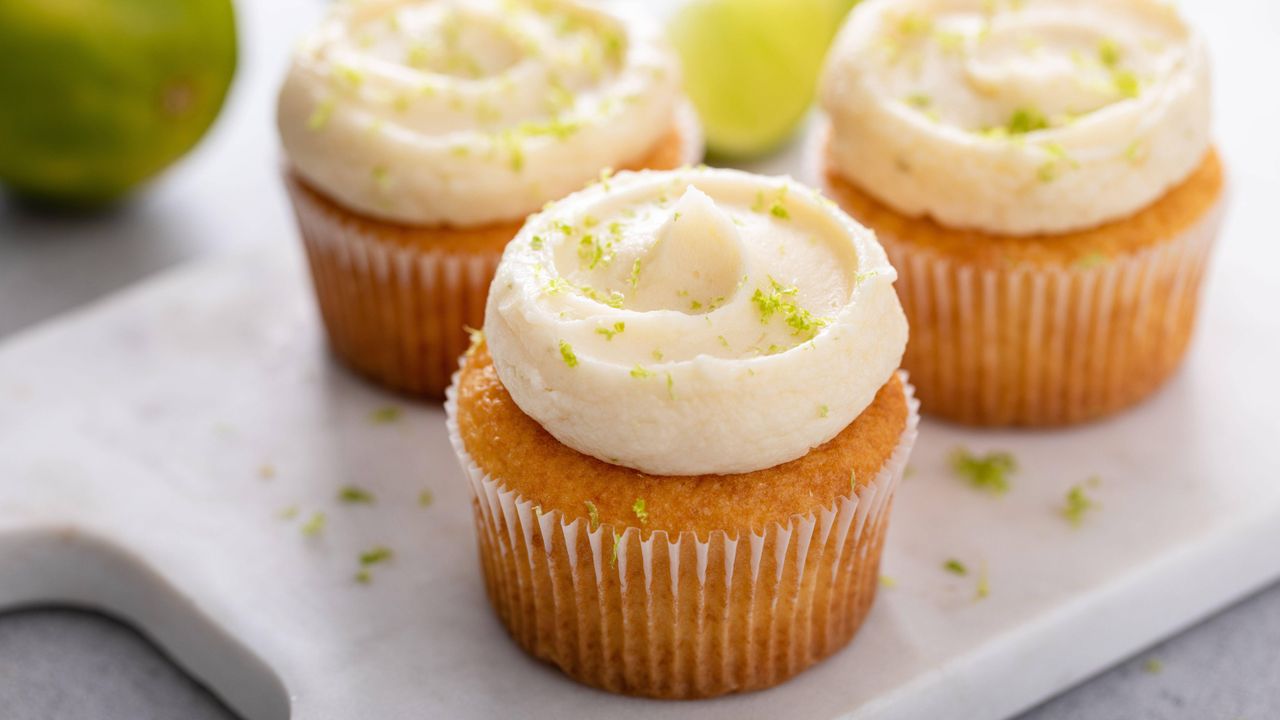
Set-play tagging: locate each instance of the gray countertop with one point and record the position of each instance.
(72, 665)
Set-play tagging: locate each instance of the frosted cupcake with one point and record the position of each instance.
(683, 428)
(1040, 173)
(419, 134)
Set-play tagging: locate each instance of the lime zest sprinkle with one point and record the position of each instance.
(989, 472)
(722, 340)
(613, 558)
(556, 285)
(1109, 53)
(426, 498)
(1090, 261)
(640, 373)
(1153, 666)
(364, 577)
(671, 387)
(1026, 120)
(887, 582)
(777, 301)
(566, 353)
(1077, 505)
(823, 411)
(983, 589)
(634, 278)
(608, 333)
(919, 101)
(386, 415)
(355, 495)
(376, 555)
(320, 116)
(638, 508)
(315, 525)
(593, 516)
(381, 177)
(657, 354)
(1126, 83)
(955, 567)
(536, 242)
(1135, 152)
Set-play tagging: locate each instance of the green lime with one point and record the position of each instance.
(751, 66)
(97, 96)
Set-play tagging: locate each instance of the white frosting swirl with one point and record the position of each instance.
(1017, 116)
(467, 112)
(694, 321)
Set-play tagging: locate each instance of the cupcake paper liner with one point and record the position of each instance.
(1037, 346)
(397, 314)
(681, 617)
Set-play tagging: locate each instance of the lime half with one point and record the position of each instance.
(751, 66)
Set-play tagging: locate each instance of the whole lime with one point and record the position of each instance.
(97, 96)
(751, 66)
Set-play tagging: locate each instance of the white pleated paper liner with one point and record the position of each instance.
(1043, 346)
(681, 617)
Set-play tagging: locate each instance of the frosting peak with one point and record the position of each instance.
(1009, 115)
(466, 112)
(694, 321)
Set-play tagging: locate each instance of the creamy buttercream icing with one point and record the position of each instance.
(1017, 116)
(694, 321)
(467, 112)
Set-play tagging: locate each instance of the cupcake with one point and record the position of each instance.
(418, 137)
(1041, 175)
(683, 427)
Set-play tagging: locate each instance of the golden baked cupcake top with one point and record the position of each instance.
(1017, 116)
(470, 112)
(695, 321)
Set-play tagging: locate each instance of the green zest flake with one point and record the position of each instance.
(320, 116)
(919, 101)
(1109, 53)
(759, 204)
(536, 242)
(1048, 172)
(613, 558)
(657, 354)
(779, 211)
(590, 221)
(381, 177)
(460, 151)
(638, 372)
(722, 340)
(777, 302)
(617, 328)
(593, 516)
(385, 415)
(425, 498)
(364, 577)
(955, 567)
(1026, 120)
(671, 387)
(984, 584)
(1134, 153)
(1078, 504)
(593, 252)
(989, 472)
(695, 305)
(887, 582)
(1126, 83)
(823, 411)
(638, 508)
(566, 353)
(634, 278)
(376, 556)
(352, 495)
(557, 285)
(914, 24)
(348, 76)
(315, 525)
(1153, 666)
